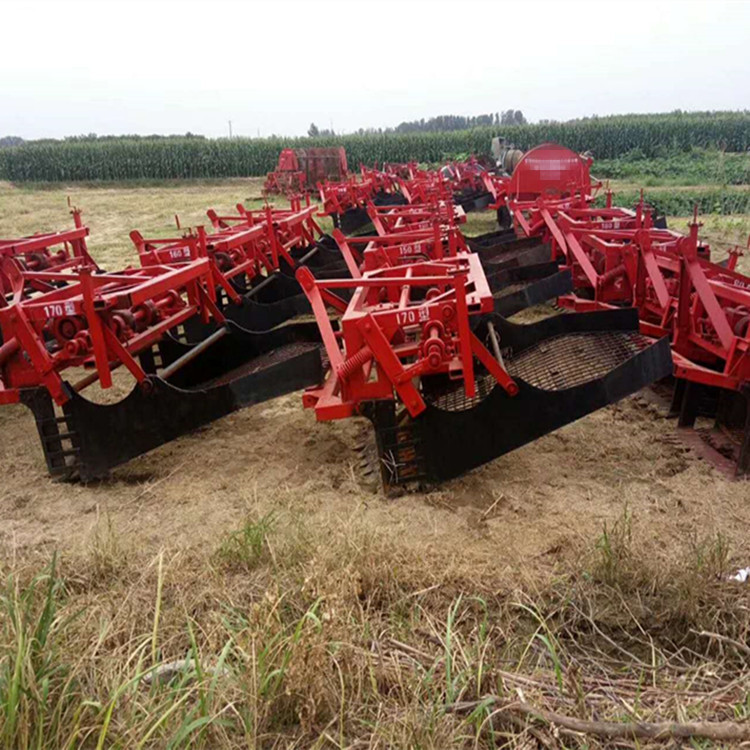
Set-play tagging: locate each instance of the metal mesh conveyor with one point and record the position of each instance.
(555, 364)
(573, 359)
(455, 399)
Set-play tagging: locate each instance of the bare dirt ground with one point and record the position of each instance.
(553, 495)
(545, 498)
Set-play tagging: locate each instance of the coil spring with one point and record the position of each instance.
(354, 362)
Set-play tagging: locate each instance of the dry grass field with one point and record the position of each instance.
(585, 574)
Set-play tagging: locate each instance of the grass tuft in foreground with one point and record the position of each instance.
(290, 636)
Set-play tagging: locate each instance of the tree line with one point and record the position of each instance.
(439, 124)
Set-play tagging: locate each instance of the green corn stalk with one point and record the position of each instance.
(129, 158)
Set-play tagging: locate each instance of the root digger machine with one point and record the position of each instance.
(84, 322)
(628, 258)
(395, 316)
(253, 256)
(447, 397)
(447, 382)
(300, 169)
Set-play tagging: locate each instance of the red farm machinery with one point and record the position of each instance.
(411, 318)
(448, 382)
(627, 258)
(301, 169)
(66, 329)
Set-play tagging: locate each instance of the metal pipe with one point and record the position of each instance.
(495, 343)
(263, 283)
(404, 297)
(308, 255)
(92, 377)
(179, 363)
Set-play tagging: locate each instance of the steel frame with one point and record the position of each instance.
(93, 320)
(57, 251)
(299, 170)
(402, 322)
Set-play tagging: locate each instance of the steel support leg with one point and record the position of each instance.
(689, 405)
(678, 394)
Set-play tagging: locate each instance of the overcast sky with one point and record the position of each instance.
(169, 66)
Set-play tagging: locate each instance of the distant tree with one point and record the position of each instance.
(10, 140)
(444, 123)
(512, 117)
(313, 131)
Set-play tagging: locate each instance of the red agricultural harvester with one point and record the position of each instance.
(300, 170)
(163, 323)
(410, 328)
(43, 252)
(253, 256)
(348, 202)
(620, 258)
(627, 258)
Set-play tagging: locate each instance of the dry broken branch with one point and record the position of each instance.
(722, 731)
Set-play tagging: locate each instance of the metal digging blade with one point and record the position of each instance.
(489, 239)
(476, 200)
(238, 369)
(515, 289)
(518, 252)
(265, 305)
(566, 367)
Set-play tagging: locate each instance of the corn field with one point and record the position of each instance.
(186, 157)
